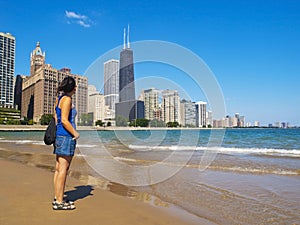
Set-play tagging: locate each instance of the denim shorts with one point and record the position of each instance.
(64, 146)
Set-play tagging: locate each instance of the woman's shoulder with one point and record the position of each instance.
(65, 100)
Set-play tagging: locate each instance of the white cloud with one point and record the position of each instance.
(82, 23)
(82, 20)
(74, 15)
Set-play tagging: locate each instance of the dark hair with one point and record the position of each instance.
(67, 85)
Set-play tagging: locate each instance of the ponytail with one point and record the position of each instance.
(58, 90)
(67, 85)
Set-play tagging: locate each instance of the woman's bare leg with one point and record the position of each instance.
(60, 175)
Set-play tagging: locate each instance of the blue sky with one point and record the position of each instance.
(252, 47)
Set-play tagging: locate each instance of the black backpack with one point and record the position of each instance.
(50, 134)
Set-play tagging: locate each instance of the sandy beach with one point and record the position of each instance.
(26, 195)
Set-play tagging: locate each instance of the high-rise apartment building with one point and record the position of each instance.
(96, 104)
(170, 106)
(111, 84)
(151, 102)
(201, 114)
(188, 113)
(39, 90)
(128, 107)
(209, 118)
(7, 69)
(239, 120)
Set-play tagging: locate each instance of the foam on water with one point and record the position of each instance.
(258, 151)
(246, 169)
(86, 146)
(20, 142)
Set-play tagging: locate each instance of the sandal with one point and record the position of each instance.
(63, 206)
(65, 200)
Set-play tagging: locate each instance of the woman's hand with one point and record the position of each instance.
(76, 135)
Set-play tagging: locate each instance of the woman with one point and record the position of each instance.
(65, 143)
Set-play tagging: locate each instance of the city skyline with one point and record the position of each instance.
(252, 47)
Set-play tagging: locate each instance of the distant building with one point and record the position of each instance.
(39, 90)
(277, 124)
(151, 102)
(242, 121)
(284, 125)
(256, 123)
(18, 91)
(128, 107)
(126, 79)
(219, 123)
(96, 104)
(201, 114)
(227, 121)
(7, 69)
(238, 121)
(111, 84)
(170, 106)
(209, 118)
(130, 110)
(233, 121)
(188, 113)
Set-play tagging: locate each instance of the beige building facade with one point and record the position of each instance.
(97, 105)
(170, 106)
(39, 90)
(151, 104)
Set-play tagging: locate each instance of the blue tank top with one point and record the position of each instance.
(60, 130)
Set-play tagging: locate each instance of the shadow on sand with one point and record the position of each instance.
(80, 192)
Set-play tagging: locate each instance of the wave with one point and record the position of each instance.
(20, 142)
(223, 150)
(257, 151)
(256, 170)
(238, 169)
(86, 146)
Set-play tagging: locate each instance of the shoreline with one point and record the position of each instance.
(24, 195)
(23, 128)
(83, 128)
(19, 167)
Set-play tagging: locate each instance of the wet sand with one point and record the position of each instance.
(27, 193)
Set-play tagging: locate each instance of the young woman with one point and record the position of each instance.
(65, 143)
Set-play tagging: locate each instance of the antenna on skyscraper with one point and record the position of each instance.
(124, 46)
(128, 43)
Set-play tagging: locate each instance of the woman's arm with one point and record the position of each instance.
(66, 106)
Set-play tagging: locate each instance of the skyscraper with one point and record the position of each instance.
(126, 82)
(7, 69)
(209, 118)
(128, 107)
(39, 89)
(151, 103)
(170, 106)
(18, 91)
(201, 114)
(188, 113)
(111, 84)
